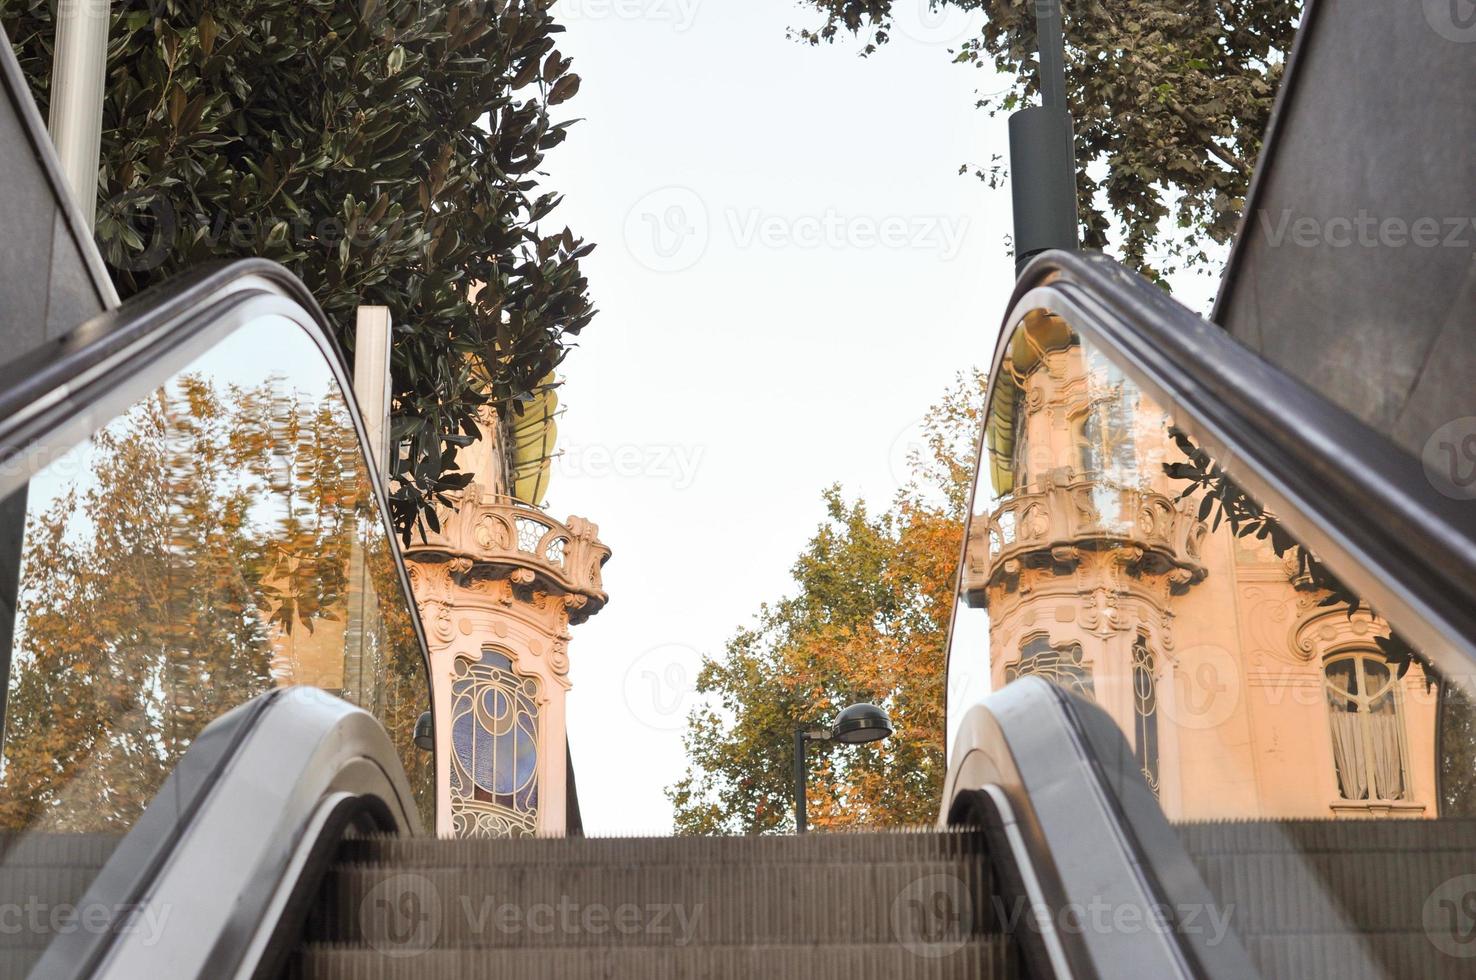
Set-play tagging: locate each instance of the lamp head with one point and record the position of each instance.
(425, 732)
(861, 723)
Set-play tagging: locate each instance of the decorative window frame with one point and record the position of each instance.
(1324, 635)
(1082, 682)
(470, 816)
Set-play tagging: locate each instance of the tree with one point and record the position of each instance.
(868, 622)
(1170, 99)
(219, 541)
(386, 151)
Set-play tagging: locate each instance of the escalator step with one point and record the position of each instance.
(820, 848)
(1405, 956)
(980, 959)
(29, 849)
(1336, 836)
(1335, 898)
(659, 904)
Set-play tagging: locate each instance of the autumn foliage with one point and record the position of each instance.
(867, 622)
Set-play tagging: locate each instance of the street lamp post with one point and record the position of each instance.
(1042, 151)
(858, 724)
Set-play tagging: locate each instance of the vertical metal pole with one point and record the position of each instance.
(78, 66)
(801, 818)
(1052, 43)
(1042, 151)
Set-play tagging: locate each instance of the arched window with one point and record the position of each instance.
(1059, 665)
(1367, 727)
(494, 735)
(1145, 712)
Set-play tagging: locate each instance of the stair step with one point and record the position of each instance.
(815, 848)
(1319, 892)
(1395, 955)
(978, 959)
(659, 904)
(1337, 836)
(1322, 898)
(30, 849)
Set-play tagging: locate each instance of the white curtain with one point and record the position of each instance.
(1348, 754)
(1383, 729)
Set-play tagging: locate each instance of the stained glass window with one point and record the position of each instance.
(494, 735)
(1059, 665)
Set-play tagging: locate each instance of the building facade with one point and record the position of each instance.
(1244, 689)
(498, 586)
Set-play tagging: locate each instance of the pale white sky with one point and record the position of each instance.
(790, 270)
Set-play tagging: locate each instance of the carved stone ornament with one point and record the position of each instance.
(500, 537)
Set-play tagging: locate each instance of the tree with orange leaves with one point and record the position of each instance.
(868, 622)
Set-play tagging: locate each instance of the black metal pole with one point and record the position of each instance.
(1052, 41)
(1042, 151)
(801, 819)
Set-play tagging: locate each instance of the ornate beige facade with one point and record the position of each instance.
(1240, 691)
(498, 587)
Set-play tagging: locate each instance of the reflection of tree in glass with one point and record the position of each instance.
(152, 590)
(1456, 715)
(1224, 500)
(404, 689)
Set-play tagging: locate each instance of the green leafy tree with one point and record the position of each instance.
(1170, 99)
(386, 151)
(867, 622)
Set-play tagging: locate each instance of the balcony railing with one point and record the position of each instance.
(497, 532)
(1053, 523)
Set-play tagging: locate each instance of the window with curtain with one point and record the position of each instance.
(1367, 727)
(1145, 712)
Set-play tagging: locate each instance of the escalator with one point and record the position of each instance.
(232, 787)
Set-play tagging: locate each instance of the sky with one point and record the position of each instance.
(790, 270)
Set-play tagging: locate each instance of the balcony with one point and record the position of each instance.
(499, 534)
(1052, 524)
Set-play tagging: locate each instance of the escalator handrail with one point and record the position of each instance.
(1077, 835)
(1360, 503)
(213, 880)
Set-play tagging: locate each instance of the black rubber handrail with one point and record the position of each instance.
(226, 859)
(1359, 502)
(1091, 878)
